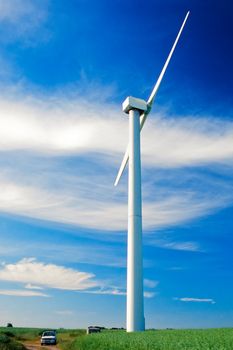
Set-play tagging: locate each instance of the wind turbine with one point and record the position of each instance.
(138, 110)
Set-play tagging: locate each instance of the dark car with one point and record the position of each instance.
(93, 329)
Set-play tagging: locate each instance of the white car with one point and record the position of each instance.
(48, 338)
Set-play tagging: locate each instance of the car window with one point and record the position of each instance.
(47, 334)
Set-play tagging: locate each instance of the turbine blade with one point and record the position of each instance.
(123, 165)
(151, 99)
(157, 85)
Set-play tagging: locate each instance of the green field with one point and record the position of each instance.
(207, 339)
(9, 340)
(210, 339)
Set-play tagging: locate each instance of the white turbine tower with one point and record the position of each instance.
(138, 111)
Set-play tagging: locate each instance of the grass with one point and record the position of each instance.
(66, 337)
(210, 339)
(21, 334)
(207, 339)
(7, 342)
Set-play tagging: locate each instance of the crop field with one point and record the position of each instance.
(205, 339)
(210, 339)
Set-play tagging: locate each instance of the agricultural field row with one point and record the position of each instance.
(203, 339)
(212, 339)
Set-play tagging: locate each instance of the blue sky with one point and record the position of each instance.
(65, 68)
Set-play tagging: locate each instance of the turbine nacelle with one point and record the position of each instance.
(134, 103)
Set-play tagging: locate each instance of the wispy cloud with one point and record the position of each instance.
(16, 10)
(31, 286)
(150, 283)
(54, 125)
(149, 295)
(106, 291)
(180, 208)
(187, 141)
(116, 291)
(20, 19)
(196, 300)
(176, 245)
(22, 293)
(57, 126)
(36, 182)
(30, 271)
(107, 212)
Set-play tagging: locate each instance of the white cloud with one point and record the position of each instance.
(14, 10)
(107, 213)
(54, 125)
(31, 286)
(149, 295)
(22, 18)
(150, 283)
(174, 245)
(36, 184)
(116, 291)
(186, 141)
(61, 208)
(182, 207)
(30, 271)
(67, 128)
(109, 291)
(196, 300)
(22, 293)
